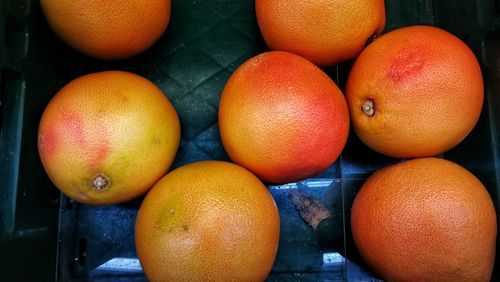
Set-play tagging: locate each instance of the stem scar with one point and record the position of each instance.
(368, 108)
(101, 182)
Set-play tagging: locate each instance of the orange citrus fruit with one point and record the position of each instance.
(326, 32)
(207, 221)
(425, 220)
(282, 118)
(415, 92)
(107, 137)
(108, 29)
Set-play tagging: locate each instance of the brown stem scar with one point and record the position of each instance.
(101, 182)
(368, 108)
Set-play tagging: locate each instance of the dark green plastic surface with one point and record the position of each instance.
(44, 236)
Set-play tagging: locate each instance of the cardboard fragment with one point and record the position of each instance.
(310, 209)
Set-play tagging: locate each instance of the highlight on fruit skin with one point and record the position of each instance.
(108, 30)
(207, 221)
(415, 92)
(282, 117)
(107, 137)
(326, 32)
(425, 219)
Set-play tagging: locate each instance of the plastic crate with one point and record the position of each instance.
(46, 236)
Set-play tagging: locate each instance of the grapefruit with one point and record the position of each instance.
(326, 32)
(425, 220)
(207, 221)
(415, 92)
(108, 30)
(282, 118)
(107, 137)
